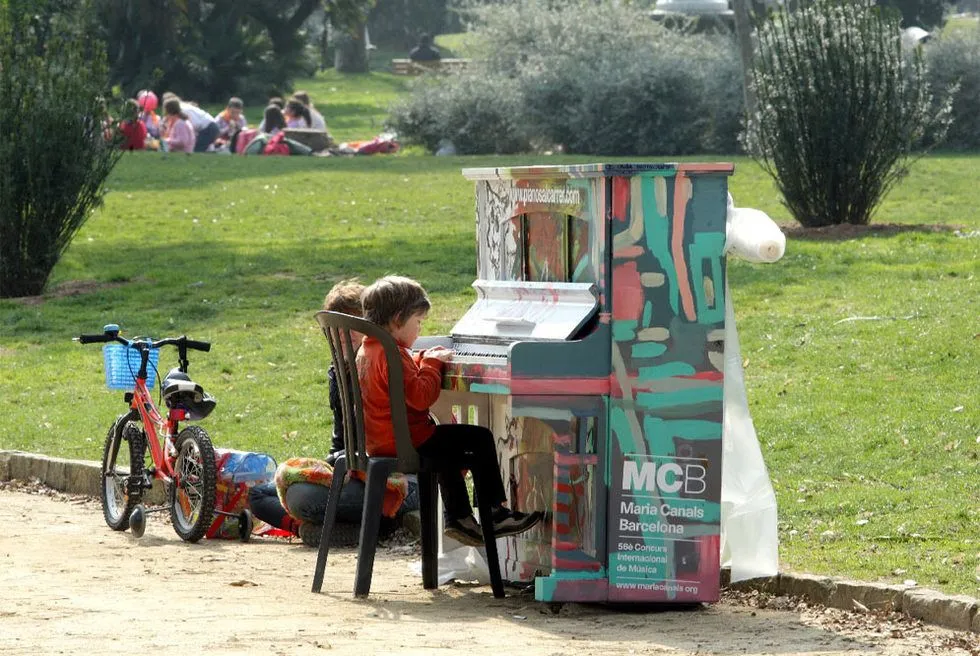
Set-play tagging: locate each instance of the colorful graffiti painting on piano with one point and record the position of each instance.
(667, 402)
(620, 418)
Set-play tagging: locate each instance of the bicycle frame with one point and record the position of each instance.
(156, 425)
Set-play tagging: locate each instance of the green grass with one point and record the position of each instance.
(961, 24)
(858, 420)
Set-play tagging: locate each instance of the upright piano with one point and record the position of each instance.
(594, 352)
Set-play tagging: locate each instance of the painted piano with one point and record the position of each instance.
(594, 352)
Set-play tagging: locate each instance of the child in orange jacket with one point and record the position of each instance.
(399, 305)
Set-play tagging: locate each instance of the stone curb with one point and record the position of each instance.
(68, 476)
(961, 612)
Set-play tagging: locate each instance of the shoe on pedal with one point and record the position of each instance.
(465, 531)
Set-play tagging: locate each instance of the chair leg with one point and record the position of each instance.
(329, 517)
(428, 508)
(377, 478)
(489, 540)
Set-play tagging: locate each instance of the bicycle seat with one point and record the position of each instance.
(182, 393)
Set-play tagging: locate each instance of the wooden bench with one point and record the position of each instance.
(410, 67)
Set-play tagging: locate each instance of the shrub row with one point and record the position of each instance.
(598, 78)
(591, 78)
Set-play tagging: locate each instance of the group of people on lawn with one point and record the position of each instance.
(185, 127)
(296, 501)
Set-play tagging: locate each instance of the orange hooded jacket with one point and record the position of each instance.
(423, 382)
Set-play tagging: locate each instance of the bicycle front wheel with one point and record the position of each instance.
(192, 493)
(122, 456)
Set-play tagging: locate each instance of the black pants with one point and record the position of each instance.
(454, 447)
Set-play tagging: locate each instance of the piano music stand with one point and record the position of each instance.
(337, 328)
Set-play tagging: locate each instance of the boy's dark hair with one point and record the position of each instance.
(393, 300)
(236, 103)
(278, 102)
(303, 97)
(345, 297)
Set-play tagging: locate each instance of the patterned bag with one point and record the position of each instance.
(238, 472)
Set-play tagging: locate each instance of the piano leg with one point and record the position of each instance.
(550, 449)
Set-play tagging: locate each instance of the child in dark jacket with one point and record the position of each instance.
(296, 501)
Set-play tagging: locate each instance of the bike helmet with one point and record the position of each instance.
(182, 393)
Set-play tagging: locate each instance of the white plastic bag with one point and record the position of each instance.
(464, 564)
(749, 539)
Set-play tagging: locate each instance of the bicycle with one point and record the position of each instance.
(183, 460)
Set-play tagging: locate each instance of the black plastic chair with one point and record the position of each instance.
(337, 328)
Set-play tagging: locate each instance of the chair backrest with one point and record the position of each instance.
(337, 328)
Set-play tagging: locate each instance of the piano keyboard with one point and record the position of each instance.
(474, 353)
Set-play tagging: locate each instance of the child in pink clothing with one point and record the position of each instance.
(180, 133)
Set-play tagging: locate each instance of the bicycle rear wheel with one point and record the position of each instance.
(192, 493)
(118, 498)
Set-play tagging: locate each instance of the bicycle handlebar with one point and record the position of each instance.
(92, 339)
(113, 336)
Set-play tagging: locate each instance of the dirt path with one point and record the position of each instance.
(70, 585)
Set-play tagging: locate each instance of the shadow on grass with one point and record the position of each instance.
(205, 281)
(160, 171)
(164, 171)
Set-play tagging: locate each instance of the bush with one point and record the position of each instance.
(590, 77)
(840, 109)
(54, 157)
(479, 113)
(955, 60)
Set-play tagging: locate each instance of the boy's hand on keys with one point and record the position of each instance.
(440, 353)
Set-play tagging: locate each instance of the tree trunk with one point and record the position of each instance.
(743, 29)
(350, 52)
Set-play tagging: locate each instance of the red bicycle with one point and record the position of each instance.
(182, 459)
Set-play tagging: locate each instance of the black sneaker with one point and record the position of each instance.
(310, 534)
(510, 522)
(465, 531)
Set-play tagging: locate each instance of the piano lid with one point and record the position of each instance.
(521, 310)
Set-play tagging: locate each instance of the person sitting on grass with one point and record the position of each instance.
(179, 134)
(317, 122)
(399, 305)
(297, 114)
(132, 128)
(230, 121)
(297, 499)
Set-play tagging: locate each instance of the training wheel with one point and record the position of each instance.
(137, 521)
(245, 525)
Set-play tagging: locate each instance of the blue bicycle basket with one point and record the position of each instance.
(123, 363)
